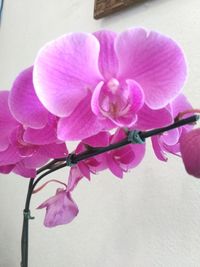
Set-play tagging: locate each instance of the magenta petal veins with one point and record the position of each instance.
(64, 70)
(155, 61)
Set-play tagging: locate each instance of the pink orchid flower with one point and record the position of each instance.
(91, 165)
(60, 209)
(169, 141)
(22, 148)
(190, 151)
(100, 81)
(123, 159)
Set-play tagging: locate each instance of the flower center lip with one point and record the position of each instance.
(113, 85)
(115, 104)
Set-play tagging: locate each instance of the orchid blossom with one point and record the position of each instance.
(60, 209)
(23, 146)
(108, 76)
(95, 88)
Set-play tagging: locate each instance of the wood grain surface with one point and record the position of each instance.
(103, 8)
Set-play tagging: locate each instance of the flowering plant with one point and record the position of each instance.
(107, 91)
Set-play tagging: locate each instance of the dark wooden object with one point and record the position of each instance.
(103, 8)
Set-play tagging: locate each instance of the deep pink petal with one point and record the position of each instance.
(114, 166)
(190, 147)
(81, 124)
(6, 169)
(98, 140)
(84, 169)
(156, 62)
(7, 122)
(124, 154)
(135, 153)
(60, 209)
(64, 71)
(108, 62)
(24, 104)
(75, 176)
(54, 150)
(24, 171)
(118, 135)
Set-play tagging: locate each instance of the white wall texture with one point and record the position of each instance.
(151, 218)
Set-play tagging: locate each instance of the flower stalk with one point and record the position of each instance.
(134, 137)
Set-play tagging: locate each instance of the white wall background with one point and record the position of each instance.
(149, 219)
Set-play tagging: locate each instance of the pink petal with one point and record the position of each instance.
(16, 140)
(190, 147)
(174, 149)
(180, 104)
(43, 136)
(171, 137)
(95, 99)
(81, 124)
(36, 160)
(108, 62)
(156, 62)
(150, 119)
(158, 149)
(9, 156)
(20, 169)
(60, 209)
(135, 92)
(7, 122)
(64, 71)
(24, 104)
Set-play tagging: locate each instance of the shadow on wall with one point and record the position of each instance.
(1, 9)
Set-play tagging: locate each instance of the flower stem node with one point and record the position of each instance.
(70, 160)
(135, 138)
(27, 215)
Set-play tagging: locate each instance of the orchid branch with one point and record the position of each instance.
(133, 137)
